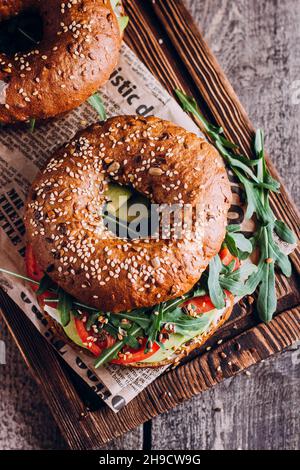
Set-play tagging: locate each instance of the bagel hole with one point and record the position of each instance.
(21, 33)
(127, 213)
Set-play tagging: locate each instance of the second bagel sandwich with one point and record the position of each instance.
(136, 297)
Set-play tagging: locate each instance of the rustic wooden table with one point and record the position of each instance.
(257, 44)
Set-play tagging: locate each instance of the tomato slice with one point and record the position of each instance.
(200, 305)
(130, 355)
(93, 344)
(32, 268)
(36, 273)
(203, 304)
(87, 338)
(227, 258)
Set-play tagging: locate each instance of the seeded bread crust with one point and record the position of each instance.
(78, 52)
(160, 160)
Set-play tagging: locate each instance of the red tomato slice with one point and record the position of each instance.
(36, 273)
(96, 347)
(201, 304)
(227, 258)
(135, 355)
(84, 335)
(32, 268)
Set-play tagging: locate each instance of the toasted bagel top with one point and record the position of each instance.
(78, 51)
(160, 160)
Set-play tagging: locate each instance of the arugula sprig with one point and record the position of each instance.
(237, 243)
(257, 182)
(112, 352)
(96, 102)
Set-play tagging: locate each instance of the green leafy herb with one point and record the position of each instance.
(97, 103)
(27, 36)
(31, 125)
(112, 352)
(155, 325)
(233, 228)
(284, 232)
(215, 290)
(64, 307)
(45, 284)
(137, 316)
(257, 186)
(238, 245)
(91, 319)
(110, 329)
(20, 276)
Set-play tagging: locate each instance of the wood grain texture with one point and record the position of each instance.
(245, 412)
(217, 12)
(257, 44)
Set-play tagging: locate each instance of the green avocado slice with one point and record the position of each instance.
(71, 332)
(117, 196)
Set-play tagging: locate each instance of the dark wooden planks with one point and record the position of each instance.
(257, 411)
(26, 420)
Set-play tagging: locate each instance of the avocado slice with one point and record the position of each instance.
(71, 332)
(70, 329)
(117, 196)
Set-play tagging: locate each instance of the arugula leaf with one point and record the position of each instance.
(257, 187)
(112, 352)
(155, 326)
(110, 329)
(91, 319)
(215, 290)
(238, 282)
(233, 228)
(64, 306)
(185, 324)
(97, 103)
(284, 232)
(282, 260)
(114, 3)
(19, 276)
(46, 283)
(267, 301)
(137, 316)
(31, 124)
(133, 342)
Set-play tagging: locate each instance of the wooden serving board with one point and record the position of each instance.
(163, 35)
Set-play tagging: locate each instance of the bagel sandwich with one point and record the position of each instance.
(70, 53)
(139, 301)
